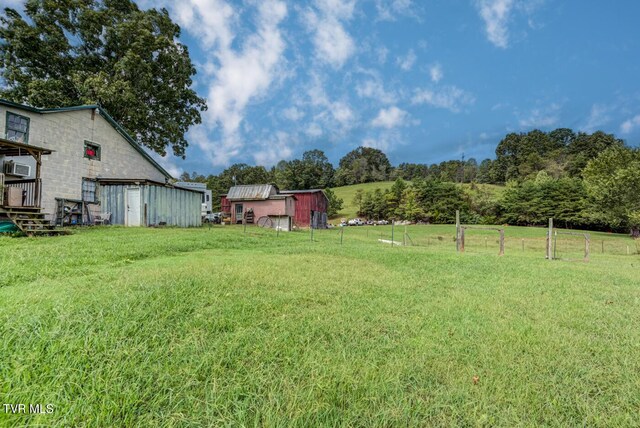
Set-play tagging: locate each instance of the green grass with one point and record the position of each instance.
(211, 327)
(347, 193)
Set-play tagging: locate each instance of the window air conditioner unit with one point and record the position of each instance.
(18, 169)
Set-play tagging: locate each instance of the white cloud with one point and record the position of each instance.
(542, 117)
(385, 141)
(390, 10)
(313, 130)
(332, 42)
(381, 54)
(210, 21)
(631, 124)
(496, 15)
(390, 118)
(598, 117)
(293, 113)
(342, 112)
(374, 89)
(449, 97)
(13, 4)
(236, 72)
(331, 113)
(273, 151)
(241, 75)
(406, 62)
(436, 73)
(168, 162)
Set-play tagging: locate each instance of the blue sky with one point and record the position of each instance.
(424, 81)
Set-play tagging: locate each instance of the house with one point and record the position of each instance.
(202, 188)
(311, 207)
(260, 204)
(68, 165)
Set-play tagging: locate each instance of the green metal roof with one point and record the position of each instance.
(104, 114)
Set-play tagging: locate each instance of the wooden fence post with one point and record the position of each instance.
(586, 248)
(549, 240)
(461, 240)
(458, 230)
(501, 242)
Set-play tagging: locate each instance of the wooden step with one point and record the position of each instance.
(22, 209)
(27, 214)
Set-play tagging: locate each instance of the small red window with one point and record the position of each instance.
(91, 151)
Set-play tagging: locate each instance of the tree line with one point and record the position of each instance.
(582, 180)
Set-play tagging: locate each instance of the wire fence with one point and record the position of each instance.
(518, 240)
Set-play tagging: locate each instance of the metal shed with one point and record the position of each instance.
(149, 203)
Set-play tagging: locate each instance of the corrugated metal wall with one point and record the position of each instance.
(173, 206)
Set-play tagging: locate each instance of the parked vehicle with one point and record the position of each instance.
(355, 222)
(382, 222)
(214, 218)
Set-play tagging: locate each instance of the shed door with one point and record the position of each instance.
(133, 207)
(239, 216)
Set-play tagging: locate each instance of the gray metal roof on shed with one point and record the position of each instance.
(302, 191)
(251, 192)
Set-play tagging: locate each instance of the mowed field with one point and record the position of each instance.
(217, 327)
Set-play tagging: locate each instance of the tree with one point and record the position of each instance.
(335, 203)
(440, 200)
(357, 199)
(363, 165)
(394, 198)
(585, 147)
(411, 209)
(612, 180)
(110, 53)
(317, 170)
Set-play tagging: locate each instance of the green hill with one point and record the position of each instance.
(347, 193)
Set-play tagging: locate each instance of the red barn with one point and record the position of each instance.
(311, 207)
(225, 204)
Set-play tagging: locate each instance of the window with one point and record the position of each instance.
(17, 128)
(91, 150)
(89, 186)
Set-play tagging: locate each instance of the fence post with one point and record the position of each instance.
(461, 245)
(404, 237)
(502, 242)
(586, 247)
(458, 231)
(392, 226)
(341, 234)
(549, 237)
(522, 244)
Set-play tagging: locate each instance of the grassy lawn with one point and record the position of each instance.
(211, 327)
(347, 193)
